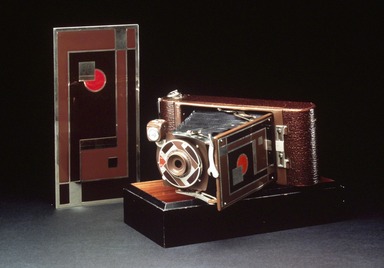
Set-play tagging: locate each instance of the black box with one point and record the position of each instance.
(171, 219)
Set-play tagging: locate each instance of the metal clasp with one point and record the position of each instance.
(281, 159)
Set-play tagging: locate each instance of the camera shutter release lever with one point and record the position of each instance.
(175, 94)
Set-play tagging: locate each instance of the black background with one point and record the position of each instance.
(329, 54)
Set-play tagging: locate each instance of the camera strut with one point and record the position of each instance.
(209, 199)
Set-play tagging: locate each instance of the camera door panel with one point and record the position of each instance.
(247, 161)
(97, 121)
(244, 162)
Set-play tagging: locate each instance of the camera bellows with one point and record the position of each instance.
(210, 122)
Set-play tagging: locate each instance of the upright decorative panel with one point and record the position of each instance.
(96, 74)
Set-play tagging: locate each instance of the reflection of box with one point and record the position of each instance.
(96, 111)
(170, 219)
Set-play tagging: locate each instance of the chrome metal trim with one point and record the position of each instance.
(280, 131)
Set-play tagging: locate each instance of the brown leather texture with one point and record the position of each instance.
(300, 147)
(299, 117)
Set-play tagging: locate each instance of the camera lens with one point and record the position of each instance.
(178, 164)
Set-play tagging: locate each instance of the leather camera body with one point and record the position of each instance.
(239, 144)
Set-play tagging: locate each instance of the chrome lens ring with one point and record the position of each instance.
(180, 163)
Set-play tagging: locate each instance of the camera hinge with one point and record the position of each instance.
(282, 161)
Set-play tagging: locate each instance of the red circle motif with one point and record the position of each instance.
(242, 161)
(98, 83)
